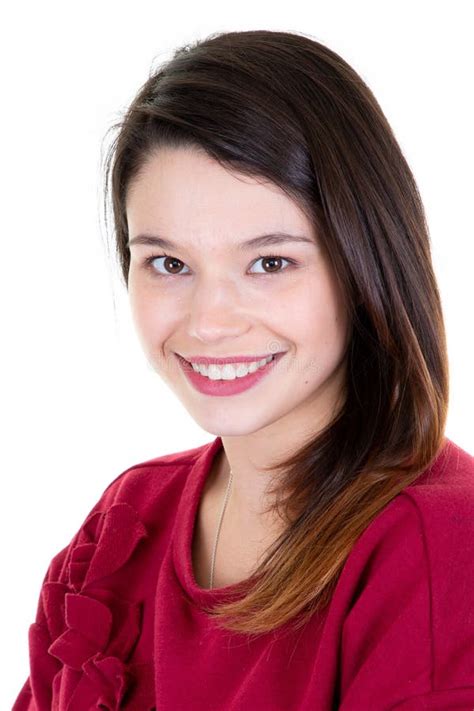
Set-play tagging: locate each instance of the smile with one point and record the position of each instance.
(230, 371)
(229, 379)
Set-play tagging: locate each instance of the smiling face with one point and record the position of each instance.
(213, 297)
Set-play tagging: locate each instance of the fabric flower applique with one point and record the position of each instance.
(93, 630)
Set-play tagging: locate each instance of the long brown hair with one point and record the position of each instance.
(284, 107)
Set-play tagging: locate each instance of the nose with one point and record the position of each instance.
(216, 312)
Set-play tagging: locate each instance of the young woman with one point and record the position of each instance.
(318, 553)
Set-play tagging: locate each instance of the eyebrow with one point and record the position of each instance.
(264, 240)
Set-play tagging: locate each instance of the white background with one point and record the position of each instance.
(79, 402)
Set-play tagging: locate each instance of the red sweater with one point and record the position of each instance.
(118, 624)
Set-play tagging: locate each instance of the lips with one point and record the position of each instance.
(224, 387)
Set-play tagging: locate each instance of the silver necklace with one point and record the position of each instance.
(219, 529)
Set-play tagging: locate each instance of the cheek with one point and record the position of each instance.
(318, 323)
(150, 315)
(315, 309)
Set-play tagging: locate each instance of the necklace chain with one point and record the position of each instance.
(213, 562)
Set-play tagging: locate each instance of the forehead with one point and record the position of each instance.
(182, 190)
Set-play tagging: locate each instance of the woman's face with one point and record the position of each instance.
(214, 297)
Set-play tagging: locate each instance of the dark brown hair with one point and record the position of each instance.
(284, 107)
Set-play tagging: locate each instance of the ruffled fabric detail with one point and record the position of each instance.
(93, 630)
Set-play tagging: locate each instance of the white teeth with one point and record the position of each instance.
(230, 371)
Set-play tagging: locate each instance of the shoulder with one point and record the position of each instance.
(139, 500)
(82, 622)
(427, 529)
(443, 498)
(149, 477)
(408, 585)
(441, 501)
(436, 509)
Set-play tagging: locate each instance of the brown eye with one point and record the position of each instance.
(272, 263)
(173, 265)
